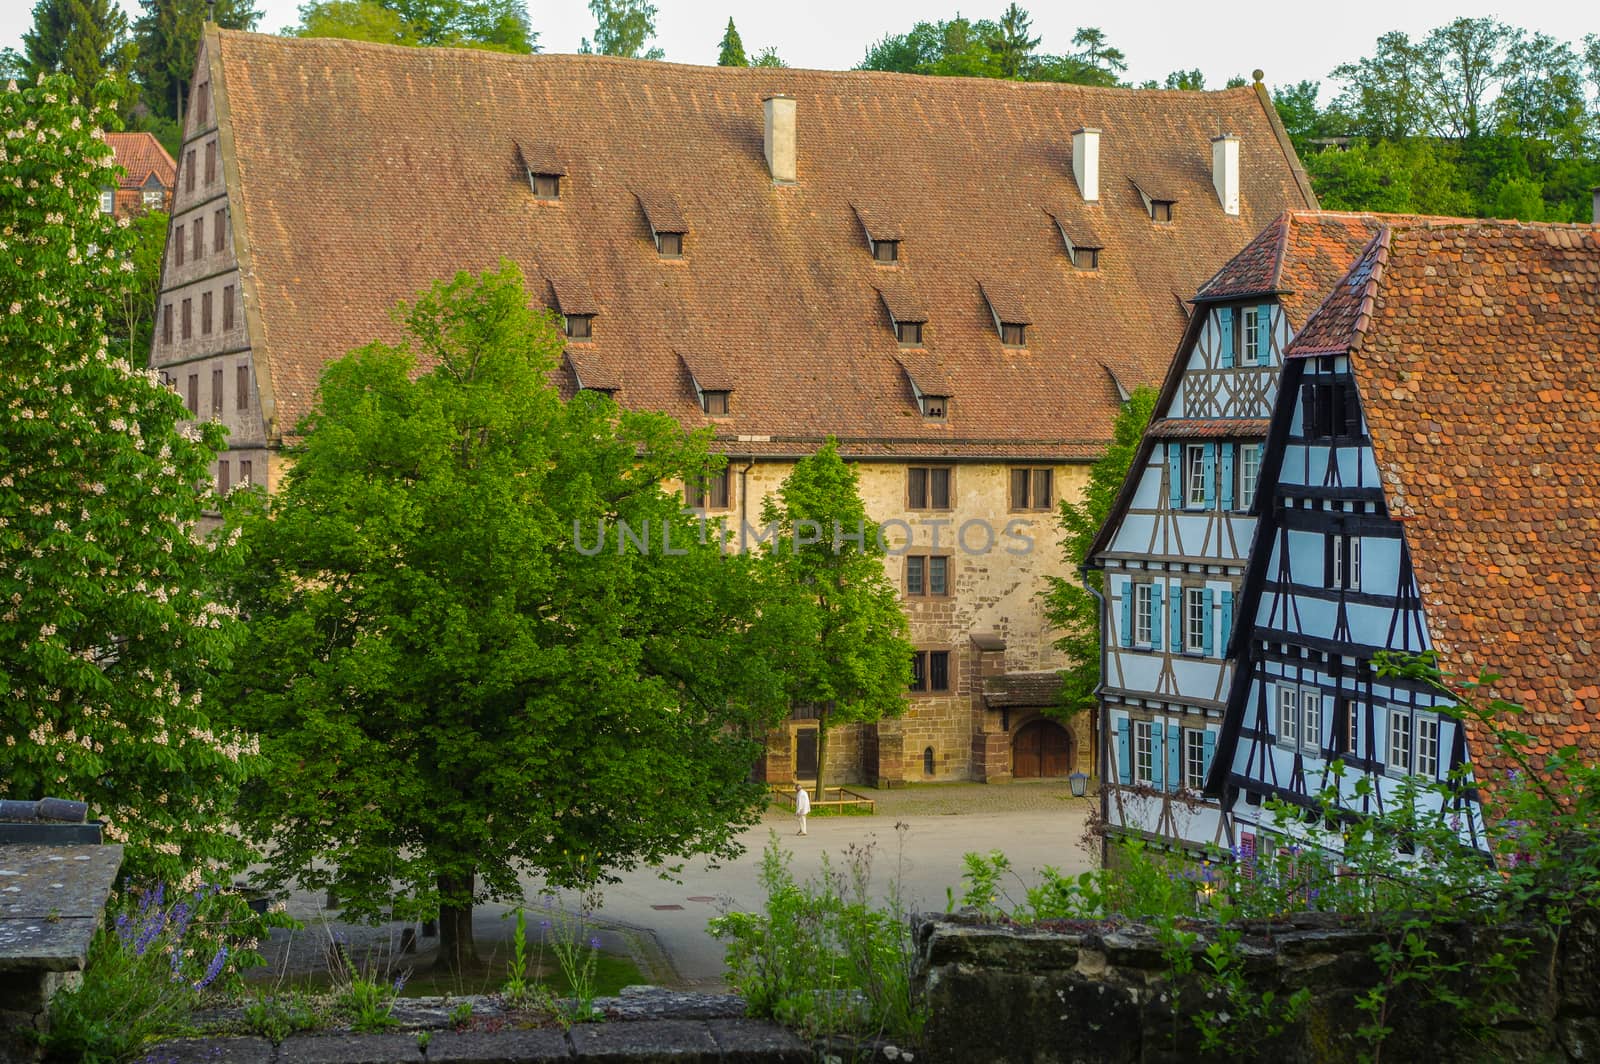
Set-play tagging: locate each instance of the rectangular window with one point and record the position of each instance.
(192, 402)
(242, 388)
(909, 333)
(1161, 210)
(1427, 746)
(211, 161)
(1194, 620)
(151, 198)
(178, 245)
(1086, 258)
(580, 326)
(1143, 614)
(1249, 473)
(1012, 335)
(205, 313)
(886, 251)
(1332, 410)
(219, 229)
(1144, 754)
(188, 171)
(713, 494)
(246, 479)
(188, 319)
(1399, 755)
(1352, 726)
(1032, 489)
(1288, 715)
(202, 103)
(928, 575)
(928, 487)
(216, 391)
(716, 403)
(1248, 337)
(930, 671)
(934, 407)
(669, 245)
(199, 239)
(108, 200)
(1194, 475)
(546, 186)
(166, 323)
(1311, 720)
(227, 307)
(1194, 759)
(1345, 562)
(222, 477)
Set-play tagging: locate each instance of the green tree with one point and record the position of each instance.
(1190, 80)
(852, 660)
(494, 25)
(1297, 110)
(623, 27)
(353, 20)
(768, 57)
(1096, 51)
(457, 679)
(1386, 94)
(732, 53)
(1068, 606)
(109, 628)
(133, 326)
(1410, 176)
(1464, 61)
(87, 40)
(168, 35)
(1010, 43)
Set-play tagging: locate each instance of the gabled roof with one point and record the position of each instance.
(663, 213)
(360, 173)
(541, 157)
(141, 157)
(1477, 351)
(879, 223)
(901, 301)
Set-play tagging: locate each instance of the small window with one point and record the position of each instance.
(242, 389)
(928, 575)
(1288, 715)
(177, 245)
(211, 161)
(1144, 754)
(246, 478)
(712, 494)
(1399, 754)
(108, 200)
(199, 239)
(1249, 473)
(580, 326)
(715, 403)
(886, 251)
(166, 323)
(216, 391)
(928, 487)
(1344, 568)
(546, 186)
(1352, 725)
(1143, 614)
(1311, 721)
(205, 314)
(202, 103)
(192, 402)
(934, 407)
(1248, 337)
(222, 477)
(1194, 759)
(1161, 210)
(188, 171)
(1332, 410)
(1427, 761)
(1086, 258)
(927, 761)
(1194, 475)
(1012, 335)
(669, 245)
(219, 228)
(1032, 489)
(1194, 620)
(188, 319)
(909, 333)
(930, 671)
(152, 198)
(227, 307)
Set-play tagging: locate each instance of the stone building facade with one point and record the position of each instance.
(958, 279)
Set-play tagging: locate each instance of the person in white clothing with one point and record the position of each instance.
(802, 805)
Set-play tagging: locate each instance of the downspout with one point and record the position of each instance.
(1102, 754)
(744, 498)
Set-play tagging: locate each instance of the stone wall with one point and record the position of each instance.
(1104, 993)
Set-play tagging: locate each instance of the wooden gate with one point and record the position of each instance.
(1041, 749)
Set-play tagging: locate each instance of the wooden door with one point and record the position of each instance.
(1041, 749)
(805, 754)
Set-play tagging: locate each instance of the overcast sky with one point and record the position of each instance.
(1290, 42)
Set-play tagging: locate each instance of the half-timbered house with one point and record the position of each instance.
(1174, 548)
(1431, 482)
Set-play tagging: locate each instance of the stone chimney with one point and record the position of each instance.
(1225, 171)
(780, 142)
(1086, 163)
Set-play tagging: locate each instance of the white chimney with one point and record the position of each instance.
(780, 144)
(1225, 171)
(1086, 163)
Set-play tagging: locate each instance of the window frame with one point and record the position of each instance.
(716, 402)
(702, 497)
(197, 231)
(1311, 714)
(885, 252)
(922, 672)
(108, 201)
(1031, 477)
(219, 228)
(1194, 759)
(227, 307)
(1079, 254)
(1399, 729)
(1144, 761)
(546, 187)
(242, 387)
(1346, 549)
(1194, 620)
(1014, 335)
(579, 326)
(179, 236)
(930, 473)
(1247, 337)
(1194, 476)
(1250, 459)
(152, 198)
(187, 330)
(1144, 614)
(934, 407)
(1420, 756)
(1162, 212)
(1288, 735)
(908, 333)
(669, 245)
(246, 473)
(925, 564)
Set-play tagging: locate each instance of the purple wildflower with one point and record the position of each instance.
(124, 929)
(147, 933)
(213, 969)
(399, 984)
(594, 942)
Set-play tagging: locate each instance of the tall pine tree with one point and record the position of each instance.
(732, 53)
(87, 40)
(168, 35)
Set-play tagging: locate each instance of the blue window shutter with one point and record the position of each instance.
(1127, 614)
(1227, 476)
(1208, 466)
(1175, 621)
(1225, 322)
(1208, 596)
(1124, 766)
(1227, 617)
(1175, 475)
(1155, 615)
(1156, 763)
(1174, 758)
(1264, 334)
(1211, 748)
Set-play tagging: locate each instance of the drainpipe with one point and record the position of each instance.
(1102, 754)
(744, 498)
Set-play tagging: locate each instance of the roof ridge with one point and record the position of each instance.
(1370, 288)
(1286, 234)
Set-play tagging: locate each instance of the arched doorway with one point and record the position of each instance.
(1041, 749)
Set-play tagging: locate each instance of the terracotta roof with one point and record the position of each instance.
(1477, 351)
(1154, 189)
(1007, 301)
(141, 155)
(926, 374)
(591, 371)
(661, 210)
(573, 295)
(1022, 689)
(363, 172)
(539, 157)
(710, 371)
(1074, 228)
(879, 223)
(902, 303)
(1177, 428)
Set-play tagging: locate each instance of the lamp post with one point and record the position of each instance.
(1079, 784)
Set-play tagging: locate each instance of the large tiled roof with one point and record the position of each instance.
(363, 172)
(140, 155)
(1477, 351)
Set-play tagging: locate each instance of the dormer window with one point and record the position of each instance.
(1161, 210)
(576, 306)
(1086, 258)
(930, 385)
(669, 245)
(712, 378)
(906, 316)
(545, 170)
(1013, 334)
(934, 406)
(715, 403)
(886, 251)
(1010, 314)
(108, 200)
(580, 326)
(883, 234)
(909, 333)
(546, 186)
(666, 221)
(1082, 245)
(1159, 205)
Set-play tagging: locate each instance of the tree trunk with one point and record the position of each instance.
(822, 750)
(456, 947)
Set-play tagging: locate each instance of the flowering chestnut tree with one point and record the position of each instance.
(108, 634)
